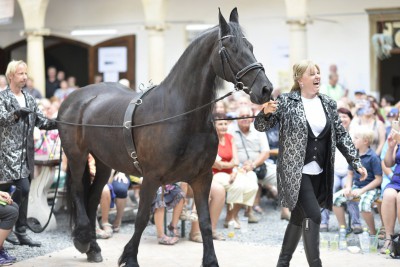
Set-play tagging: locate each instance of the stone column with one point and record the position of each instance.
(34, 12)
(297, 19)
(154, 11)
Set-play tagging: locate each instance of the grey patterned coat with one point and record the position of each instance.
(293, 137)
(12, 132)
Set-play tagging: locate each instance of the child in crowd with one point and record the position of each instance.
(169, 196)
(367, 190)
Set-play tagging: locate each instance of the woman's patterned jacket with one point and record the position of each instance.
(293, 134)
(12, 132)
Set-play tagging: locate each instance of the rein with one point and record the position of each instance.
(148, 123)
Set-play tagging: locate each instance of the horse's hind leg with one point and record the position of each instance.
(201, 190)
(100, 180)
(147, 193)
(77, 163)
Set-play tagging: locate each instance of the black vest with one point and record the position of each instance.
(317, 147)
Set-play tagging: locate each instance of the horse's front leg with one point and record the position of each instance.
(201, 190)
(147, 193)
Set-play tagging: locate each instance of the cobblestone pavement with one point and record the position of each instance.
(268, 232)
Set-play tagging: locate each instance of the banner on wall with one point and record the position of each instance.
(6, 11)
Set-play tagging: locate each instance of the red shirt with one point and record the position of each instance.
(225, 152)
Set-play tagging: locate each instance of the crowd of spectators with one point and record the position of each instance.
(242, 150)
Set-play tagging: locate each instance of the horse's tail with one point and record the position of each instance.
(85, 182)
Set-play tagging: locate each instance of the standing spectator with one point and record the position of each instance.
(60, 75)
(391, 194)
(30, 88)
(333, 89)
(19, 114)
(63, 92)
(72, 83)
(387, 102)
(3, 83)
(52, 84)
(310, 130)
(98, 78)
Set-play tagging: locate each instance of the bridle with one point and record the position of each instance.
(225, 59)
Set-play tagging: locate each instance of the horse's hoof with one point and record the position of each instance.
(82, 248)
(93, 256)
(130, 263)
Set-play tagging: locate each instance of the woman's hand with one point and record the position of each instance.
(363, 172)
(392, 138)
(270, 106)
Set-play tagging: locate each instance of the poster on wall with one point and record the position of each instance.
(112, 61)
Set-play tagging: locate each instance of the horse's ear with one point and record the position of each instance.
(223, 25)
(234, 17)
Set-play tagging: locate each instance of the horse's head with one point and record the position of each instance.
(234, 61)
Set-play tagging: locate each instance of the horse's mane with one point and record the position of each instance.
(212, 35)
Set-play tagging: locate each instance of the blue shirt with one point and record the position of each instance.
(372, 164)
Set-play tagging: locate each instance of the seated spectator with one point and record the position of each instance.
(367, 116)
(8, 217)
(115, 193)
(391, 116)
(340, 173)
(273, 141)
(391, 194)
(367, 190)
(216, 203)
(239, 183)
(172, 198)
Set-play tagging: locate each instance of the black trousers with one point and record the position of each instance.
(307, 204)
(21, 197)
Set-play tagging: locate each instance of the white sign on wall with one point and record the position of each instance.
(113, 59)
(6, 11)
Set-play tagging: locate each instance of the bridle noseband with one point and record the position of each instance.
(225, 58)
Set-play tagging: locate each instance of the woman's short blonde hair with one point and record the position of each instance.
(12, 68)
(299, 69)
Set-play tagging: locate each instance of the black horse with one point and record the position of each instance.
(181, 149)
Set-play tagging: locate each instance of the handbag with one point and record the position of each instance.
(261, 171)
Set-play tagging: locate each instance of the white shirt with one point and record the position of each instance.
(21, 100)
(315, 115)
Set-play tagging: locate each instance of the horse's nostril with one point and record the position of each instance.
(266, 90)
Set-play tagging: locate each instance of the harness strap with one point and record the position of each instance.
(128, 131)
